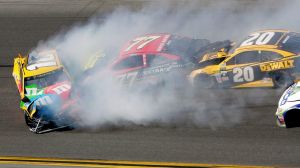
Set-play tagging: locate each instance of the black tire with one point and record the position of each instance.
(282, 79)
(204, 82)
(33, 124)
(29, 122)
(292, 118)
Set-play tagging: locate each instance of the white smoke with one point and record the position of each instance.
(106, 104)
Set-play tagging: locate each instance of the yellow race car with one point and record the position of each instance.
(267, 58)
(45, 89)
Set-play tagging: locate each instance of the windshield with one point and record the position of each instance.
(181, 46)
(47, 79)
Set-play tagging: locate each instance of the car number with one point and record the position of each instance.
(258, 39)
(141, 42)
(243, 74)
(128, 77)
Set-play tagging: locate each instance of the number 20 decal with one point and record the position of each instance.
(258, 39)
(243, 74)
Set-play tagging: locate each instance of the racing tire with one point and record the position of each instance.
(204, 82)
(292, 118)
(282, 79)
(33, 124)
(29, 122)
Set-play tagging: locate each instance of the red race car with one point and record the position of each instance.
(157, 59)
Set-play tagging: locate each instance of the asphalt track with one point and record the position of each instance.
(255, 140)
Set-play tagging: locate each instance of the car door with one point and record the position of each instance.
(241, 69)
(277, 68)
(129, 69)
(160, 66)
(272, 61)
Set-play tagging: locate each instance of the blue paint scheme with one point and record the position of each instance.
(288, 93)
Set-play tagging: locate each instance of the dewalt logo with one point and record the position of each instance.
(277, 65)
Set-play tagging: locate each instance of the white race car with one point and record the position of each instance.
(288, 111)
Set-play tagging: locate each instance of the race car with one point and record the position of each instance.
(267, 58)
(158, 60)
(288, 111)
(45, 91)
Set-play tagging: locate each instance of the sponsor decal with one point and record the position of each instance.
(288, 93)
(222, 77)
(141, 42)
(277, 65)
(32, 90)
(44, 100)
(162, 68)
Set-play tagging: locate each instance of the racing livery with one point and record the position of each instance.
(265, 58)
(288, 111)
(158, 60)
(44, 88)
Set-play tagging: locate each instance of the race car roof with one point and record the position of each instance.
(290, 43)
(145, 44)
(277, 39)
(269, 38)
(37, 63)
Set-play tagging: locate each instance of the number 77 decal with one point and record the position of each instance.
(243, 74)
(141, 42)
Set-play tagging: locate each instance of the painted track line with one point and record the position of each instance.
(57, 162)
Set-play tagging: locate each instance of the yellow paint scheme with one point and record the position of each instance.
(21, 71)
(261, 83)
(60, 162)
(277, 65)
(17, 74)
(209, 70)
(42, 70)
(214, 69)
(214, 55)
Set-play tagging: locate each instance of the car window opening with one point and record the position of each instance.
(130, 62)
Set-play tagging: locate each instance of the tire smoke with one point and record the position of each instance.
(105, 103)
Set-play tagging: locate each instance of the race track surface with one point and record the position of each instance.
(255, 140)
